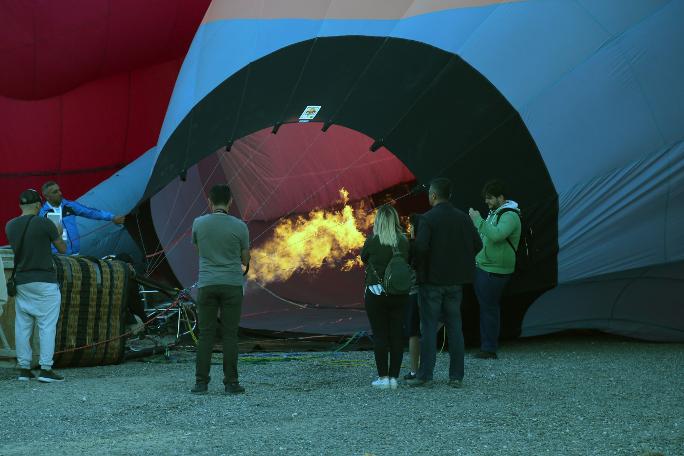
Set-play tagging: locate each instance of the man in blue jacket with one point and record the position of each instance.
(68, 211)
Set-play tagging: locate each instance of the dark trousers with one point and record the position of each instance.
(412, 317)
(386, 316)
(435, 302)
(489, 289)
(228, 300)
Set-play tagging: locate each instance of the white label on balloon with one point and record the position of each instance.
(309, 113)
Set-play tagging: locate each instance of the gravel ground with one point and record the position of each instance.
(557, 396)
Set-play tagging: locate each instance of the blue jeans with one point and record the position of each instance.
(435, 302)
(489, 288)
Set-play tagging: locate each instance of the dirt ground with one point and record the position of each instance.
(556, 396)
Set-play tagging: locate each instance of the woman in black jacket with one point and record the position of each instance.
(385, 311)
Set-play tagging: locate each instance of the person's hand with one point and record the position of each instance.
(119, 219)
(474, 215)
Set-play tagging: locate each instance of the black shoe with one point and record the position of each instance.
(234, 388)
(410, 376)
(455, 383)
(419, 382)
(485, 355)
(199, 388)
(25, 375)
(49, 376)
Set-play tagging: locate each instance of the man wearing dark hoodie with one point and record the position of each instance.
(500, 233)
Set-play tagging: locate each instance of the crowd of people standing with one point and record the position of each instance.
(444, 250)
(447, 249)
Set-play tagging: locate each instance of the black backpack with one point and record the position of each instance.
(523, 254)
(399, 277)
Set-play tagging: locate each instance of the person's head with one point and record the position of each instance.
(493, 194)
(440, 191)
(386, 225)
(52, 193)
(29, 201)
(220, 197)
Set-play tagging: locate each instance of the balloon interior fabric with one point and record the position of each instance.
(578, 106)
(294, 172)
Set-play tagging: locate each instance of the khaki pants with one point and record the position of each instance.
(227, 300)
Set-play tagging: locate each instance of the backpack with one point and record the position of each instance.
(523, 258)
(399, 277)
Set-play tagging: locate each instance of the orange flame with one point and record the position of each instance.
(306, 244)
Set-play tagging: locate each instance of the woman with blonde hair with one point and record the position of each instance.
(385, 311)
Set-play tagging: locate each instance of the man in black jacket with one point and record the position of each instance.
(446, 245)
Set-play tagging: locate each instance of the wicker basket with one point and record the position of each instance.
(92, 313)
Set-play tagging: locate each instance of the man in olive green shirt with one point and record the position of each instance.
(500, 233)
(223, 244)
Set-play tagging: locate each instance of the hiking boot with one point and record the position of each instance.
(234, 388)
(25, 375)
(485, 355)
(381, 383)
(410, 376)
(455, 383)
(199, 388)
(419, 382)
(49, 376)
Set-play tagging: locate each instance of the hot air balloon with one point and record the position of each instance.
(576, 105)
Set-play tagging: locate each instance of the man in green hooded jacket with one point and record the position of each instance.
(500, 233)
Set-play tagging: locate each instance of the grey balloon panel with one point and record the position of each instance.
(624, 102)
(643, 303)
(626, 219)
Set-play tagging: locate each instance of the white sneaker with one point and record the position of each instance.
(393, 383)
(381, 382)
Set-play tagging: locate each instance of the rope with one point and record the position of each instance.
(443, 339)
(354, 337)
(142, 240)
(187, 323)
